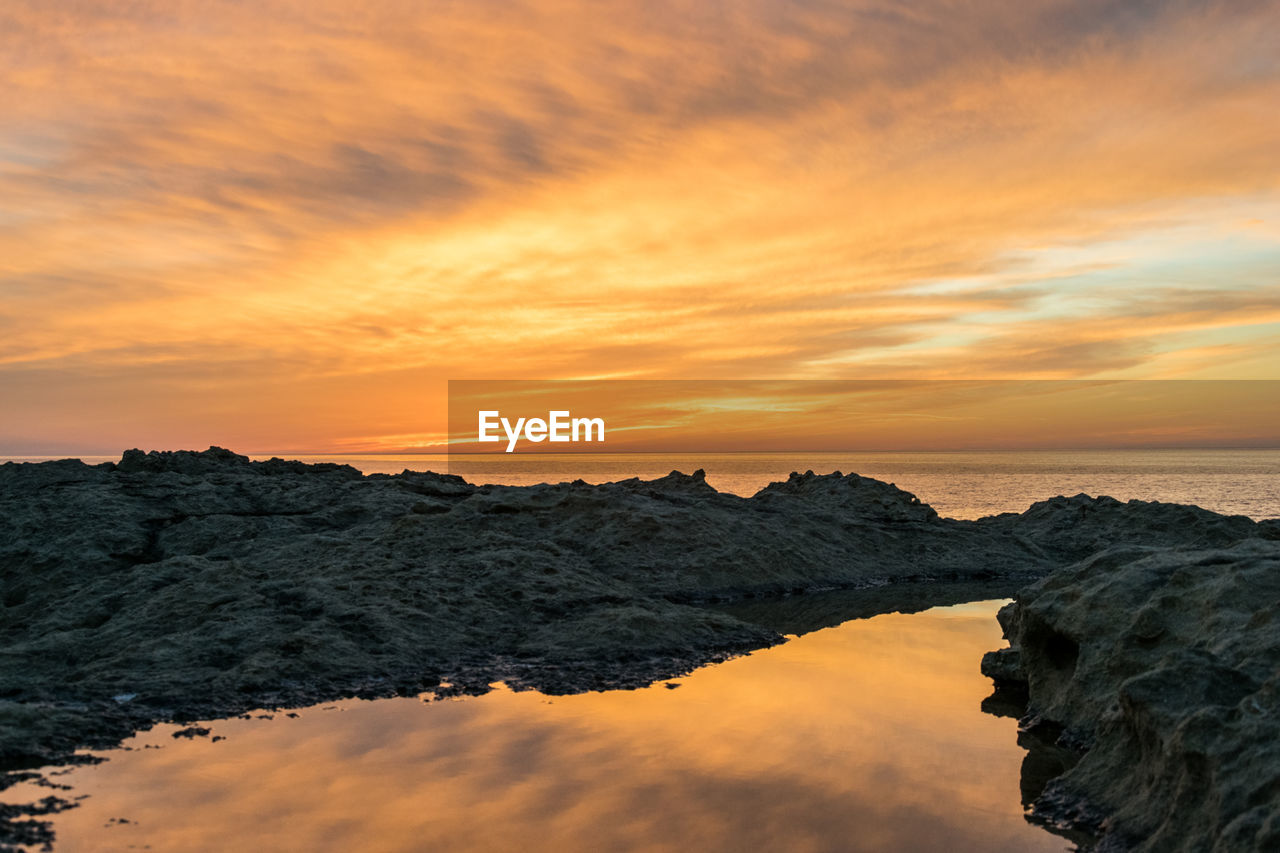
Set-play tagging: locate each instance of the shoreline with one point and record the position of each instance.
(1162, 669)
(182, 586)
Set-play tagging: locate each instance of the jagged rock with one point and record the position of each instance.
(1166, 663)
(205, 584)
(1004, 666)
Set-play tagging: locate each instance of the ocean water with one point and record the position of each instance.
(962, 484)
(958, 484)
(868, 736)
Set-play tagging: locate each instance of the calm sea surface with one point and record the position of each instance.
(961, 484)
(866, 736)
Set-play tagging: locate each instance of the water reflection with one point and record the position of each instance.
(865, 736)
(1045, 760)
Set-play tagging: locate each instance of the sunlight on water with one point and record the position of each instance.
(866, 736)
(957, 484)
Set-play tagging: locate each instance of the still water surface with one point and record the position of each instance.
(961, 484)
(958, 484)
(865, 736)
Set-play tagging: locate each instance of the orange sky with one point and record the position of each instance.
(283, 226)
(829, 415)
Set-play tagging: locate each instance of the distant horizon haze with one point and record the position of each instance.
(958, 483)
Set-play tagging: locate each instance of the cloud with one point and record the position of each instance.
(676, 188)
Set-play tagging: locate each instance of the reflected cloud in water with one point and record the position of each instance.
(865, 736)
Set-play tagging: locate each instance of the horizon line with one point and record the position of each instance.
(293, 454)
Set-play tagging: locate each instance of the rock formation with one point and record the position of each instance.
(192, 585)
(1163, 666)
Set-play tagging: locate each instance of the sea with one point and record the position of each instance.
(958, 484)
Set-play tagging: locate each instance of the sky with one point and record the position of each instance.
(284, 226)
(737, 415)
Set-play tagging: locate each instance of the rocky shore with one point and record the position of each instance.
(185, 585)
(1161, 666)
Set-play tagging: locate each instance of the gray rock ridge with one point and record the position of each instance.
(202, 584)
(1164, 665)
(167, 547)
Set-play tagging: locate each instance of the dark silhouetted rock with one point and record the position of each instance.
(204, 584)
(1166, 665)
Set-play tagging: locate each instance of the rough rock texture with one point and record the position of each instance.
(194, 582)
(1165, 666)
(194, 585)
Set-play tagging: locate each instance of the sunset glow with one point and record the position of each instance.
(284, 226)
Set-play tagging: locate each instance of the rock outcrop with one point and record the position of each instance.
(1164, 667)
(193, 585)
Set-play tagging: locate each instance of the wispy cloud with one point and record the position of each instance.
(323, 198)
